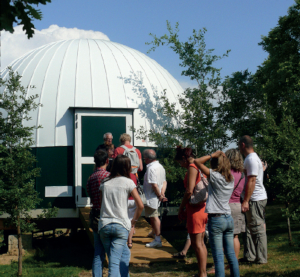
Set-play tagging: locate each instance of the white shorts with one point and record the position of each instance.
(131, 208)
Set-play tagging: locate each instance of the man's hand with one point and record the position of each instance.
(162, 198)
(245, 206)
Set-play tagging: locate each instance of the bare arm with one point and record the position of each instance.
(139, 206)
(200, 164)
(141, 165)
(192, 176)
(164, 188)
(201, 161)
(156, 190)
(248, 192)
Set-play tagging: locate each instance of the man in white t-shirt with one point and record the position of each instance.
(255, 201)
(154, 189)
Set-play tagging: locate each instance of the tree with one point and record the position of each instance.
(17, 164)
(193, 119)
(20, 12)
(266, 106)
(195, 122)
(241, 105)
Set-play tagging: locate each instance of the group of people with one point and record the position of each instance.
(117, 204)
(236, 198)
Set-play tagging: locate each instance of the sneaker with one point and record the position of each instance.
(154, 243)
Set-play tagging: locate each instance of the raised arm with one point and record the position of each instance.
(201, 161)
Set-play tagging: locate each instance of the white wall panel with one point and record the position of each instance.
(37, 80)
(116, 87)
(100, 86)
(46, 135)
(83, 90)
(66, 96)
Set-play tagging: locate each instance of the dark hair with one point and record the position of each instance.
(100, 157)
(247, 140)
(221, 164)
(121, 167)
(183, 152)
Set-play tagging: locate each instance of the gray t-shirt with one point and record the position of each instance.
(219, 193)
(115, 193)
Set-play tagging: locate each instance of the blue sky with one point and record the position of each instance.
(231, 24)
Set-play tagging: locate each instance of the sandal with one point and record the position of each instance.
(129, 245)
(179, 255)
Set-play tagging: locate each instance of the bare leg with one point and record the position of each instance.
(198, 244)
(186, 247)
(236, 245)
(155, 222)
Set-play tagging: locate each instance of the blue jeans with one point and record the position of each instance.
(114, 238)
(221, 236)
(99, 256)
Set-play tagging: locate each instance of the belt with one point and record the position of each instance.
(215, 215)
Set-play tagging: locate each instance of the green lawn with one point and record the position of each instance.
(72, 256)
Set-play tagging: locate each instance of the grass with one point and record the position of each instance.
(72, 256)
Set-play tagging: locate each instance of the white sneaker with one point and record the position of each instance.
(154, 243)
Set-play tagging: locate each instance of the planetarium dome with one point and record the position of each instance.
(94, 74)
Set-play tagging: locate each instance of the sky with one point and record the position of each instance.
(235, 25)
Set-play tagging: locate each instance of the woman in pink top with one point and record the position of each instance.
(237, 168)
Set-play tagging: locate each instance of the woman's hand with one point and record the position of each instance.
(133, 222)
(217, 154)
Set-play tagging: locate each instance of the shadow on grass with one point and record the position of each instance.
(63, 251)
(292, 273)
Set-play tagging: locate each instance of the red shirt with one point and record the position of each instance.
(120, 151)
(133, 178)
(93, 186)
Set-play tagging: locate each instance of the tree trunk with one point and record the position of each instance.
(289, 226)
(19, 247)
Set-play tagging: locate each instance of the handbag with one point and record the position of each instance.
(139, 187)
(200, 192)
(140, 191)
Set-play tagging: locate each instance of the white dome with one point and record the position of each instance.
(90, 73)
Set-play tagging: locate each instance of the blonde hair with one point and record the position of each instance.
(235, 159)
(125, 137)
(221, 164)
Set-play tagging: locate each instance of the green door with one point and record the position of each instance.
(90, 126)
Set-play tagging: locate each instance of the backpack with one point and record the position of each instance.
(133, 156)
(200, 193)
